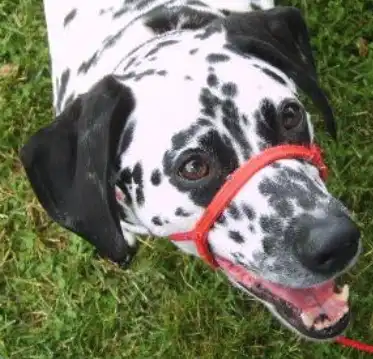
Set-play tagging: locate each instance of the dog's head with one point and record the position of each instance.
(146, 150)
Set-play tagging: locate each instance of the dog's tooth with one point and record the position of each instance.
(343, 296)
(325, 323)
(307, 320)
(319, 325)
(346, 292)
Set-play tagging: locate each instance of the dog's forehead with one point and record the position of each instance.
(178, 90)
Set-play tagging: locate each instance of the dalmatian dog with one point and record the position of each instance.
(157, 102)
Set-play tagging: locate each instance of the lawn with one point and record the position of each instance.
(58, 301)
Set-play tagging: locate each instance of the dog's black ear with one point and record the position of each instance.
(280, 37)
(71, 167)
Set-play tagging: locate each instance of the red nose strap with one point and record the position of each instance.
(199, 235)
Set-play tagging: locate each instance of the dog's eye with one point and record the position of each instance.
(194, 168)
(291, 115)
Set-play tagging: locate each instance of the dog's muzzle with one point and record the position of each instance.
(199, 235)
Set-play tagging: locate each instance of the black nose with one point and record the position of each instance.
(330, 244)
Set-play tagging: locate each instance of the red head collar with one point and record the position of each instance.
(199, 235)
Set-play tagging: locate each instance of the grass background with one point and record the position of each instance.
(58, 301)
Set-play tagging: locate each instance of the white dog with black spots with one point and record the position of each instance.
(157, 102)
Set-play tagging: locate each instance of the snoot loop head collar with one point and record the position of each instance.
(199, 235)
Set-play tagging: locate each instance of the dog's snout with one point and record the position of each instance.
(330, 244)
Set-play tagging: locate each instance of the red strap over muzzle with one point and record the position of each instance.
(199, 235)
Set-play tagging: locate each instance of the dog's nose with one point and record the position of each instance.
(332, 242)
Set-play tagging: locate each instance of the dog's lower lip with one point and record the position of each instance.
(319, 313)
(292, 317)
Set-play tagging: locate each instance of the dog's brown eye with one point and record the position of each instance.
(291, 115)
(194, 169)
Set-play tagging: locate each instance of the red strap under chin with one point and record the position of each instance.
(235, 182)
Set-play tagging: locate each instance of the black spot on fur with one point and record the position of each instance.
(230, 110)
(166, 43)
(180, 212)
(270, 245)
(128, 76)
(129, 63)
(272, 74)
(271, 225)
(221, 219)
(245, 120)
(160, 45)
(215, 58)
(104, 11)
(229, 89)
(120, 12)
(266, 122)
(140, 198)
(231, 121)
(157, 221)
(137, 174)
(284, 208)
(141, 75)
(193, 51)
(151, 52)
(204, 122)
(86, 65)
(112, 39)
(209, 102)
(69, 17)
(180, 139)
(125, 176)
(156, 177)
(233, 211)
(142, 4)
(248, 211)
(62, 87)
(236, 236)
(288, 185)
(187, 77)
(162, 73)
(212, 80)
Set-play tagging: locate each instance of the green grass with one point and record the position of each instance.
(58, 301)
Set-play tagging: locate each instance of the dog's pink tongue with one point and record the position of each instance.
(306, 299)
(303, 298)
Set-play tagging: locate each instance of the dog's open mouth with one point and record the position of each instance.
(319, 312)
